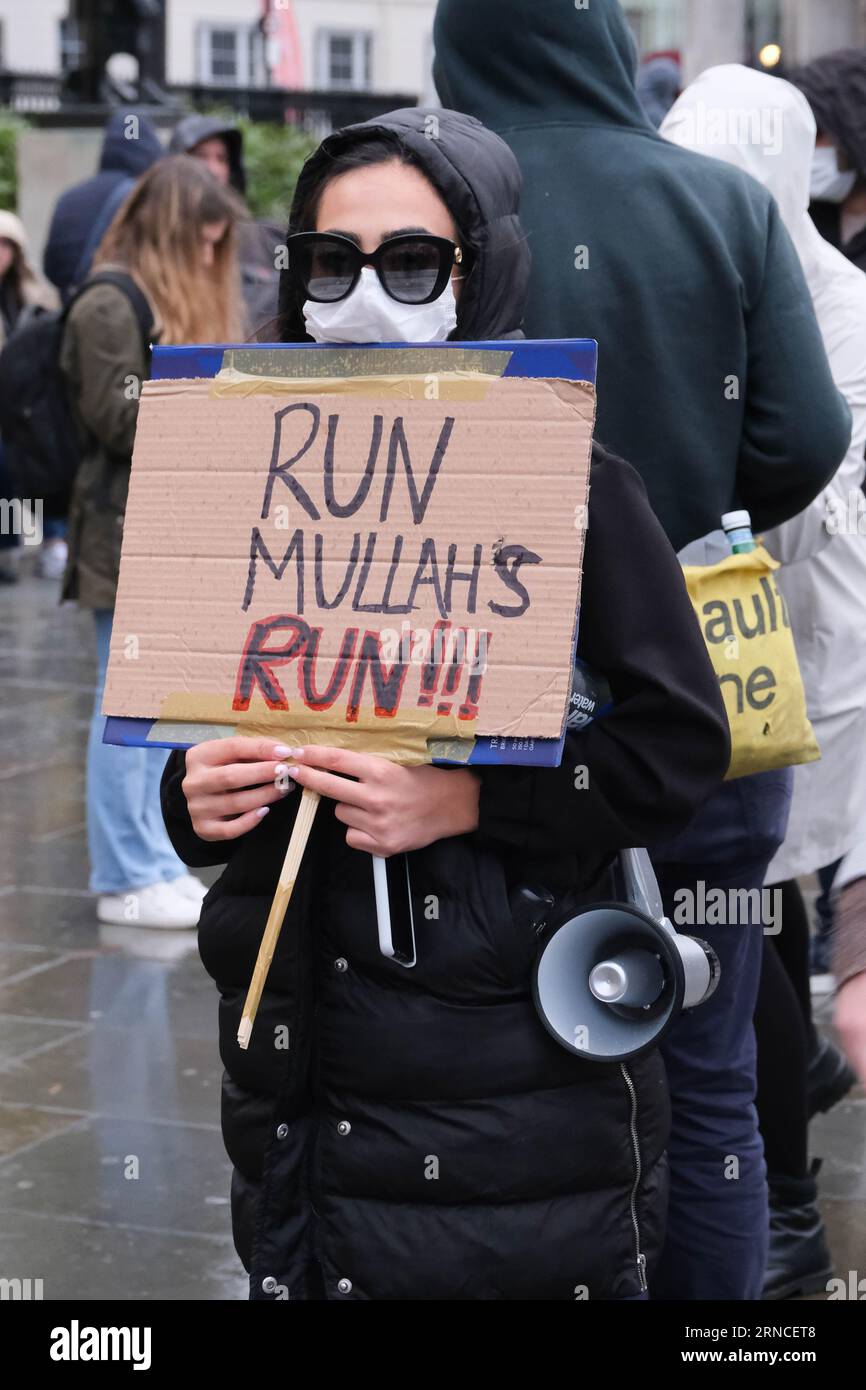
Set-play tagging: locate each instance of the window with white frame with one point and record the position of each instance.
(230, 55)
(344, 60)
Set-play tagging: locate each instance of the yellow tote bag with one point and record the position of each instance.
(745, 623)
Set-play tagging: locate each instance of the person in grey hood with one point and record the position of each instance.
(219, 145)
(713, 377)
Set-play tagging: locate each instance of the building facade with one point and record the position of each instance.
(332, 45)
(387, 46)
(345, 45)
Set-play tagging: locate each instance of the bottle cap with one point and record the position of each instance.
(736, 521)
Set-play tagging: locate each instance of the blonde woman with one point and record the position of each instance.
(170, 256)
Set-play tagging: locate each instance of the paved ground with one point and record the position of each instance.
(107, 1037)
(108, 1052)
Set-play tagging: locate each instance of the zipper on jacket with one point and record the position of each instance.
(315, 1122)
(315, 1232)
(640, 1258)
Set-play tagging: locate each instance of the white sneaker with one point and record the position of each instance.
(157, 905)
(52, 558)
(189, 887)
(822, 984)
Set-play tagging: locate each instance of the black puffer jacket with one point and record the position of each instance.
(421, 1136)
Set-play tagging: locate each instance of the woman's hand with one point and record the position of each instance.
(230, 784)
(850, 1019)
(388, 808)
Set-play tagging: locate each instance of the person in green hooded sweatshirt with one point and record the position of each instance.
(714, 383)
(713, 379)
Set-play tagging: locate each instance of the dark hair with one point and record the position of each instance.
(382, 148)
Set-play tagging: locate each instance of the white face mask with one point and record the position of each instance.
(369, 315)
(830, 184)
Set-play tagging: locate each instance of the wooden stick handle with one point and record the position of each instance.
(289, 872)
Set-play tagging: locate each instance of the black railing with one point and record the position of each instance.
(43, 99)
(316, 111)
(30, 93)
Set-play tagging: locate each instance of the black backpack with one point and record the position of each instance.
(37, 425)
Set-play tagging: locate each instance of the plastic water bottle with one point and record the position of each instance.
(590, 697)
(737, 526)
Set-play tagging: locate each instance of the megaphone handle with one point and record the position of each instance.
(641, 884)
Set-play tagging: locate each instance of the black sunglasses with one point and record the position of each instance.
(413, 268)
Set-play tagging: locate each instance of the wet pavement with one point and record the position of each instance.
(113, 1179)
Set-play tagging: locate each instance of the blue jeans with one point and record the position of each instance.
(718, 1219)
(128, 843)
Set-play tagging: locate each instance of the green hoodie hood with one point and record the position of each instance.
(542, 61)
(677, 264)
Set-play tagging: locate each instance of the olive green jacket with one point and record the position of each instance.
(104, 362)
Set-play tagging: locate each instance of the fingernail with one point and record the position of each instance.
(296, 752)
(292, 770)
(281, 751)
(262, 811)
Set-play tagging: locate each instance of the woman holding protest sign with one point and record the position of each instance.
(165, 269)
(417, 1134)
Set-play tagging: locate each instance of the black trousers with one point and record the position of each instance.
(786, 1039)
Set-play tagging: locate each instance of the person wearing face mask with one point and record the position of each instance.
(720, 395)
(424, 1137)
(835, 88)
(823, 580)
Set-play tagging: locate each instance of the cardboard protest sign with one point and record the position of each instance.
(383, 553)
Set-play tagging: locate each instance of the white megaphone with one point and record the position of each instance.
(609, 983)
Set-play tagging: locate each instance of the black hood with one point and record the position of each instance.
(659, 83)
(835, 88)
(121, 154)
(518, 62)
(479, 179)
(193, 129)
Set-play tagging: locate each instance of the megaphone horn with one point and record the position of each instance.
(610, 982)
